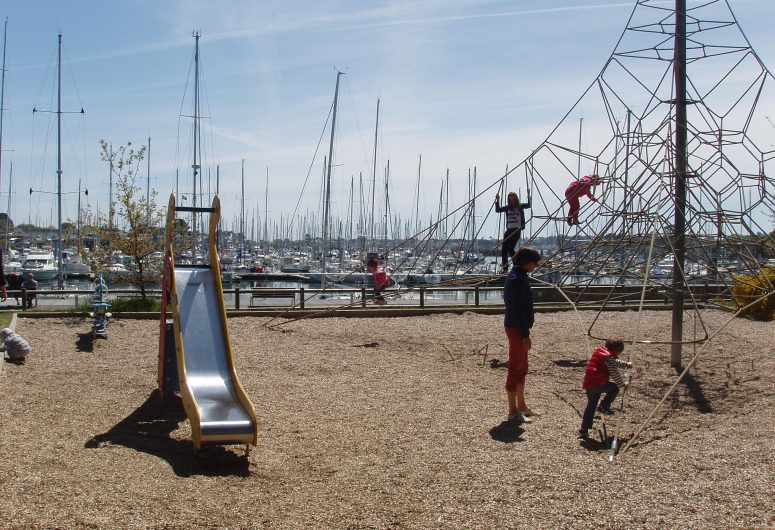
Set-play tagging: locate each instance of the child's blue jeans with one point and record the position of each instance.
(593, 396)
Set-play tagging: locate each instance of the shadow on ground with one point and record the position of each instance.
(570, 363)
(508, 432)
(694, 389)
(603, 442)
(148, 428)
(85, 342)
(497, 363)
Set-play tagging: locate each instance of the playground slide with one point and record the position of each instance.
(216, 404)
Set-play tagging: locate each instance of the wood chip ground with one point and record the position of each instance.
(391, 423)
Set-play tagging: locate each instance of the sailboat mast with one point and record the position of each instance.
(2, 108)
(78, 219)
(8, 216)
(195, 166)
(148, 184)
(327, 203)
(473, 214)
(417, 204)
(374, 176)
(242, 218)
(110, 188)
(266, 208)
(217, 193)
(351, 205)
(578, 166)
(446, 208)
(60, 274)
(387, 203)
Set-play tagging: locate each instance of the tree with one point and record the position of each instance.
(137, 231)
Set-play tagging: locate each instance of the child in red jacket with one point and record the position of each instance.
(602, 376)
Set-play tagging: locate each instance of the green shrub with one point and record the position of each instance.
(748, 288)
(135, 304)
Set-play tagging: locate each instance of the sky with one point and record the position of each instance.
(462, 83)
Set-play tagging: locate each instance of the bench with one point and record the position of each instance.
(263, 293)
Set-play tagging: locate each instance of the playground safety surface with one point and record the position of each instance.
(394, 422)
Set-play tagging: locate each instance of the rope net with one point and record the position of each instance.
(626, 238)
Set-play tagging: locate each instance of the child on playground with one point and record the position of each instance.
(381, 280)
(517, 322)
(18, 349)
(515, 223)
(576, 189)
(602, 376)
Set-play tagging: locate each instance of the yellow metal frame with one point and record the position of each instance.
(192, 409)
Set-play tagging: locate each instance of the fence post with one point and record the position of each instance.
(363, 297)
(301, 297)
(422, 297)
(236, 298)
(476, 296)
(24, 300)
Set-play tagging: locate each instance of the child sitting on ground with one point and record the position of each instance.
(18, 349)
(381, 280)
(602, 376)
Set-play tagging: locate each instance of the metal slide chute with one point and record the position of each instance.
(194, 332)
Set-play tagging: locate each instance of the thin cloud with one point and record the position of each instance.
(368, 18)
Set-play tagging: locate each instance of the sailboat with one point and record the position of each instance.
(59, 244)
(11, 266)
(327, 192)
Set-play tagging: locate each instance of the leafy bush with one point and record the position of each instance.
(134, 304)
(749, 288)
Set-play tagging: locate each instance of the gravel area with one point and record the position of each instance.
(387, 423)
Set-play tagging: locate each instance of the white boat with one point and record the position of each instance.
(42, 266)
(295, 264)
(13, 266)
(116, 273)
(73, 265)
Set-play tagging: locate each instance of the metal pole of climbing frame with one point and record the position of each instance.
(680, 169)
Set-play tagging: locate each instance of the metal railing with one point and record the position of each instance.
(360, 297)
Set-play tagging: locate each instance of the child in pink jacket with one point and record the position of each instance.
(576, 189)
(381, 280)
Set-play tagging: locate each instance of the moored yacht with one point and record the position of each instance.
(42, 266)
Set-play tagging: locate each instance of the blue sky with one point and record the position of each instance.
(464, 83)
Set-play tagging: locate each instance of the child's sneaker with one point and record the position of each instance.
(604, 410)
(528, 413)
(518, 416)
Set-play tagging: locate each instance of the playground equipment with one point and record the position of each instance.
(195, 355)
(99, 327)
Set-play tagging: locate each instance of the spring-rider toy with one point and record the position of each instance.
(99, 327)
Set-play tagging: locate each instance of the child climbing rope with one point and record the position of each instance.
(576, 189)
(381, 280)
(602, 376)
(515, 223)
